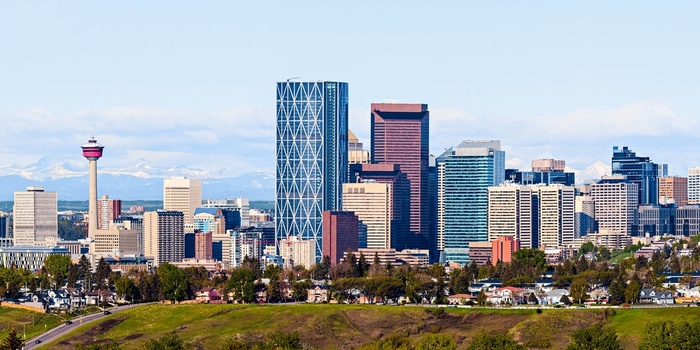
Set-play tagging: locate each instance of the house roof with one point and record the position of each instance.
(461, 296)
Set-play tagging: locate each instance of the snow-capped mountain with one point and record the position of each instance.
(591, 172)
(141, 180)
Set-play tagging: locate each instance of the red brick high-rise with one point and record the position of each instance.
(339, 234)
(400, 136)
(203, 245)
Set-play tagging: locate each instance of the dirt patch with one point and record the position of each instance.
(92, 334)
(133, 336)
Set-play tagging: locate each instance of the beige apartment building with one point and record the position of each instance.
(537, 216)
(35, 217)
(373, 204)
(616, 203)
(184, 195)
(295, 251)
(116, 241)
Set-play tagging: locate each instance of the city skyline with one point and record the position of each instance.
(565, 81)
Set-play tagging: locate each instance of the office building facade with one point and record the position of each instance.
(673, 189)
(108, 209)
(616, 202)
(694, 185)
(312, 156)
(184, 195)
(164, 236)
(400, 136)
(340, 233)
(35, 217)
(637, 170)
(466, 172)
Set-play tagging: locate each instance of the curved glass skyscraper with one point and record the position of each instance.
(312, 156)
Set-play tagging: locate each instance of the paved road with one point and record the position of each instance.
(61, 330)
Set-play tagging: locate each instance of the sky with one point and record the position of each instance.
(193, 83)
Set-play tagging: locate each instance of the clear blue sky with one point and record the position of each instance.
(193, 83)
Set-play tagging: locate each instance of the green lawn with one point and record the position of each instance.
(352, 326)
(33, 322)
(619, 258)
(630, 324)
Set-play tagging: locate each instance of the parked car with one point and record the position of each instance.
(108, 312)
(69, 322)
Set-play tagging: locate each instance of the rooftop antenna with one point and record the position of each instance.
(293, 78)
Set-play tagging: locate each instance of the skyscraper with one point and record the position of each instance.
(400, 136)
(312, 156)
(35, 217)
(164, 236)
(673, 189)
(637, 170)
(694, 185)
(184, 195)
(108, 209)
(512, 212)
(616, 202)
(373, 203)
(339, 234)
(465, 173)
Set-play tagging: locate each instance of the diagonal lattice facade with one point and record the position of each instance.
(312, 156)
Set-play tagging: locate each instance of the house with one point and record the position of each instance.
(650, 296)
(554, 296)
(207, 295)
(506, 295)
(458, 299)
(488, 285)
(317, 294)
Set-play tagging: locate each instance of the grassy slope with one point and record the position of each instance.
(18, 318)
(351, 326)
(630, 324)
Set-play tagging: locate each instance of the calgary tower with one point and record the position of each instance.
(92, 151)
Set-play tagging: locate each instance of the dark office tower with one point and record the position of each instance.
(638, 170)
(312, 156)
(400, 136)
(400, 194)
(433, 184)
(4, 227)
(189, 245)
(339, 234)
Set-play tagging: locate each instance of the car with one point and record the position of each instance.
(69, 322)
(107, 312)
(38, 341)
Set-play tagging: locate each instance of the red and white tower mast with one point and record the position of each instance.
(92, 151)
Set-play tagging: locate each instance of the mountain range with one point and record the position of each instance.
(144, 180)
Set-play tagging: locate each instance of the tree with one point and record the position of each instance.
(125, 287)
(481, 298)
(578, 290)
(617, 293)
(169, 341)
(173, 282)
(57, 265)
(489, 341)
(242, 284)
(674, 264)
(149, 287)
(604, 253)
(102, 274)
(671, 335)
(594, 338)
(459, 281)
(437, 342)
(565, 300)
(12, 341)
(532, 299)
(632, 291)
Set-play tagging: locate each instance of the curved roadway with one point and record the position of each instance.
(61, 330)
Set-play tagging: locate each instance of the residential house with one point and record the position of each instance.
(318, 294)
(650, 296)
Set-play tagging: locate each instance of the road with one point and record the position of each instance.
(61, 330)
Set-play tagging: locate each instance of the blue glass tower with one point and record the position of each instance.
(464, 176)
(312, 156)
(639, 170)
